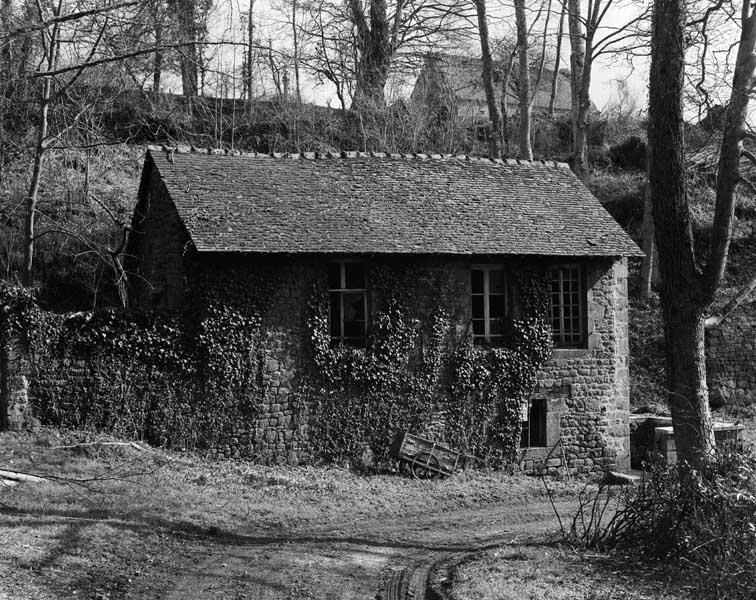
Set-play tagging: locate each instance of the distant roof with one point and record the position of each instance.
(462, 75)
(384, 203)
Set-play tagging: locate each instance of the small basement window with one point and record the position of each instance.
(568, 306)
(347, 294)
(489, 304)
(534, 424)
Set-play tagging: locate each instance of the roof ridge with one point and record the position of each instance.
(187, 149)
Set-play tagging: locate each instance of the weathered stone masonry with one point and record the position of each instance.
(731, 358)
(586, 389)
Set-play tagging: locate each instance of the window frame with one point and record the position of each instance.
(487, 338)
(342, 339)
(566, 337)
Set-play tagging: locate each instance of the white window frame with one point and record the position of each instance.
(342, 291)
(487, 337)
(566, 337)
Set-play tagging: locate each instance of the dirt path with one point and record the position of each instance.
(370, 558)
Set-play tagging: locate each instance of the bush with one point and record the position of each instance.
(701, 521)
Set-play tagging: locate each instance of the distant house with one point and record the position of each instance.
(477, 226)
(456, 82)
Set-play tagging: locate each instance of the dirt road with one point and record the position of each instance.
(369, 558)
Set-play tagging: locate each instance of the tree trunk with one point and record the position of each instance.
(375, 54)
(577, 64)
(33, 196)
(186, 14)
(557, 60)
(295, 41)
(728, 172)
(526, 152)
(649, 247)
(250, 53)
(487, 60)
(158, 58)
(686, 376)
(682, 299)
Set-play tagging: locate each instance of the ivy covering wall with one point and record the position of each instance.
(421, 372)
(197, 378)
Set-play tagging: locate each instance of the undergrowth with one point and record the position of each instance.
(701, 521)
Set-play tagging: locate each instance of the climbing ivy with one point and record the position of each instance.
(193, 379)
(359, 397)
(416, 369)
(168, 379)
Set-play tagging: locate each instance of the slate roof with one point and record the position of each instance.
(362, 203)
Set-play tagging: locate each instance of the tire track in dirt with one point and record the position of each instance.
(388, 558)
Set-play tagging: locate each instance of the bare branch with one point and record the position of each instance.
(733, 304)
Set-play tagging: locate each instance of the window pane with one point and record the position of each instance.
(567, 306)
(354, 307)
(478, 327)
(477, 281)
(477, 307)
(335, 312)
(355, 275)
(496, 282)
(334, 276)
(496, 327)
(496, 307)
(354, 329)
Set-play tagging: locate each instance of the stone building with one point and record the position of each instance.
(456, 82)
(332, 217)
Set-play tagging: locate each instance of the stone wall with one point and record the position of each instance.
(731, 359)
(159, 240)
(586, 389)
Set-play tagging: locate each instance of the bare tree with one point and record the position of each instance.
(526, 151)
(591, 37)
(249, 59)
(496, 137)
(557, 62)
(70, 43)
(688, 287)
(191, 19)
(357, 45)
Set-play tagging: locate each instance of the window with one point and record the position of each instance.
(489, 304)
(568, 307)
(348, 303)
(534, 424)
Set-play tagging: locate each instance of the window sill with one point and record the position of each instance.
(570, 352)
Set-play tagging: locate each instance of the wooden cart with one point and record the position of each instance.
(426, 458)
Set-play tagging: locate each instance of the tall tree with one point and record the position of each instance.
(186, 17)
(526, 151)
(591, 36)
(689, 287)
(496, 137)
(557, 62)
(357, 44)
(374, 44)
(249, 58)
(191, 20)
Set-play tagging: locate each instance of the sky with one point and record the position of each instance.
(230, 17)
